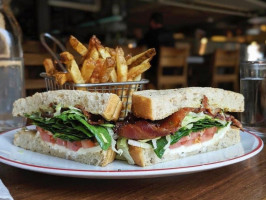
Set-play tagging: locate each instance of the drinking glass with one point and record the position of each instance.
(253, 87)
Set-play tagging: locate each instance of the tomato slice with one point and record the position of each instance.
(87, 143)
(176, 145)
(74, 146)
(183, 139)
(208, 134)
(196, 137)
(188, 143)
(39, 129)
(210, 131)
(61, 142)
(46, 135)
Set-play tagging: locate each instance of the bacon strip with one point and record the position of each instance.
(234, 121)
(92, 119)
(140, 129)
(173, 122)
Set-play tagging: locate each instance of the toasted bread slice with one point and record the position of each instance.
(105, 104)
(159, 104)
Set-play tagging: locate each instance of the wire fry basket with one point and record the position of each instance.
(123, 89)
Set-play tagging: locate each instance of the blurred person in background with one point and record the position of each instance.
(156, 36)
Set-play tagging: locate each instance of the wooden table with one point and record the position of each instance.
(244, 180)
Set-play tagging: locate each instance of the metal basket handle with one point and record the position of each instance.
(53, 54)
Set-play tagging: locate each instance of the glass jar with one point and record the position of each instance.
(11, 67)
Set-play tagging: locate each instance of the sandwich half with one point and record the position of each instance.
(170, 124)
(70, 124)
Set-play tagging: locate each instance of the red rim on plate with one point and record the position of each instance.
(121, 172)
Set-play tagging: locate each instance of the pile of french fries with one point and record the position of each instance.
(99, 64)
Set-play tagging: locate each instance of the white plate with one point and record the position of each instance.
(249, 146)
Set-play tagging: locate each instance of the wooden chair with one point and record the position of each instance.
(226, 60)
(170, 58)
(34, 54)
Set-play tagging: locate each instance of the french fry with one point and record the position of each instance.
(72, 67)
(95, 77)
(121, 65)
(78, 46)
(108, 66)
(111, 51)
(61, 78)
(138, 59)
(94, 54)
(104, 54)
(87, 69)
(122, 72)
(137, 78)
(92, 50)
(96, 40)
(49, 66)
(128, 56)
(113, 76)
(139, 69)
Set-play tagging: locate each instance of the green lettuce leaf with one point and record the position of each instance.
(72, 125)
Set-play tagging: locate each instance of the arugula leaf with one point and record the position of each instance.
(108, 125)
(101, 134)
(184, 131)
(159, 151)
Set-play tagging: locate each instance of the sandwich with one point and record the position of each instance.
(170, 124)
(71, 124)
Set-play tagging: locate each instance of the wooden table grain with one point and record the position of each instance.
(244, 180)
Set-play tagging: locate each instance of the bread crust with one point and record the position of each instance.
(30, 140)
(146, 157)
(117, 111)
(137, 155)
(104, 104)
(113, 108)
(159, 104)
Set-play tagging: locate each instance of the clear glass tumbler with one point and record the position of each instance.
(253, 87)
(11, 68)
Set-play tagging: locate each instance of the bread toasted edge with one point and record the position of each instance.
(159, 104)
(146, 157)
(30, 140)
(117, 111)
(113, 108)
(142, 107)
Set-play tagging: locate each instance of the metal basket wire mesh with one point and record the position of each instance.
(123, 89)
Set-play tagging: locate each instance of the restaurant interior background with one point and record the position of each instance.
(200, 26)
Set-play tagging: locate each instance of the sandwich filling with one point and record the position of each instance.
(185, 127)
(73, 127)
